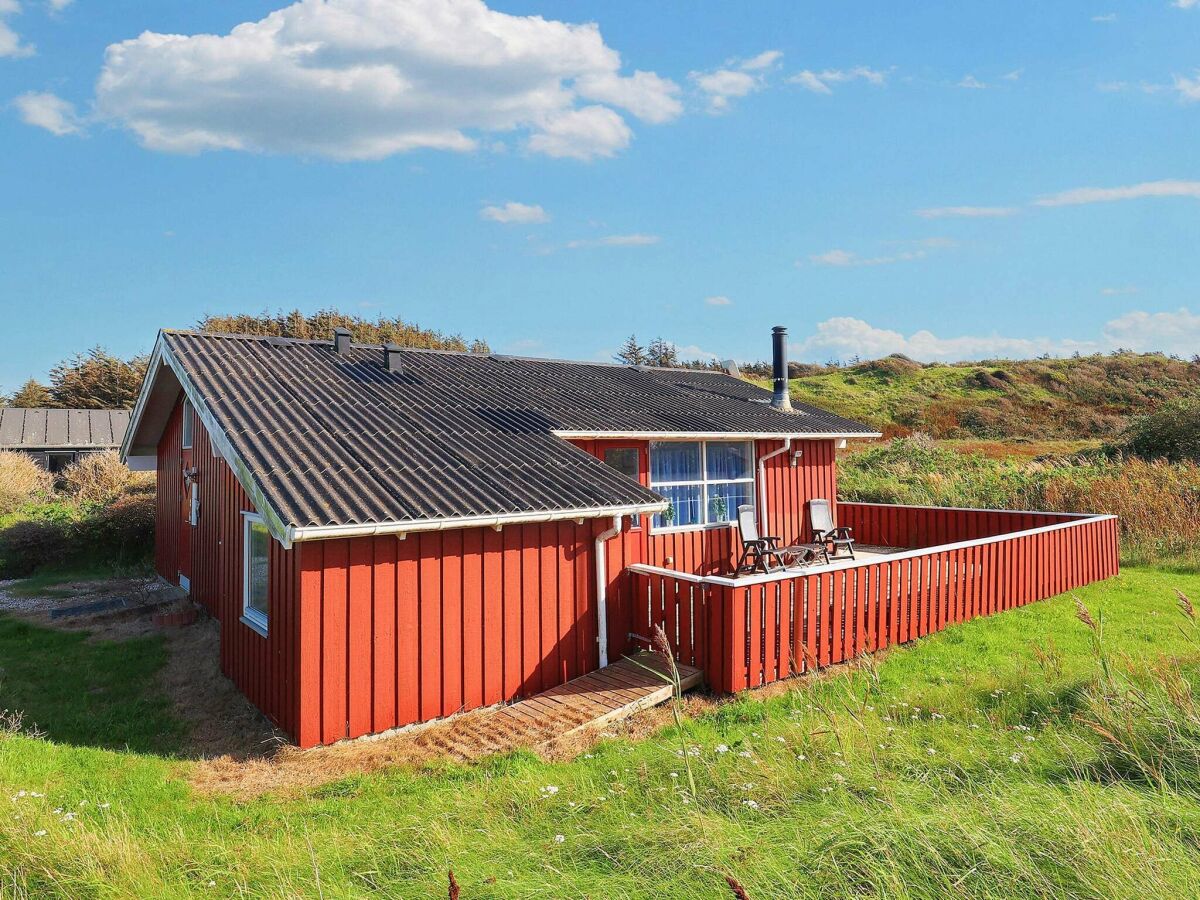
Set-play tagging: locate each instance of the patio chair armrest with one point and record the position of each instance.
(843, 533)
(771, 540)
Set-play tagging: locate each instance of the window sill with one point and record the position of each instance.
(678, 529)
(257, 624)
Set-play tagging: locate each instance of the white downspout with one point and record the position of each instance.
(762, 484)
(602, 588)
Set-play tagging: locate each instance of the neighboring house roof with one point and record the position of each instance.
(65, 429)
(333, 441)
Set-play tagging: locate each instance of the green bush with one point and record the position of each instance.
(29, 544)
(1171, 432)
(117, 534)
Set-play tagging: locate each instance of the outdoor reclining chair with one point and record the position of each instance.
(825, 532)
(759, 552)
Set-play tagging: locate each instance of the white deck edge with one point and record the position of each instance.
(789, 574)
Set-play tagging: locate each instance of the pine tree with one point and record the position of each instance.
(632, 353)
(32, 395)
(662, 354)
(97, 380)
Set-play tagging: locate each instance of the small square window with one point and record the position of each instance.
(626, 461)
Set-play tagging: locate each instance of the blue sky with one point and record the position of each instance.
(947, 179)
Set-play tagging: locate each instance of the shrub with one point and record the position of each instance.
(1171, 432)
(22, 481)
(96, 478)
(31, 543)
(121, 532)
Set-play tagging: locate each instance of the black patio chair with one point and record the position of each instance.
(760, 551)
(826, 533)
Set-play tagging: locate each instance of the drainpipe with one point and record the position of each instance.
(602, 588)
(762, 484)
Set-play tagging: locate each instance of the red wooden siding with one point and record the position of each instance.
(168, 500)
(392, 632)
(746, 635)
(262, 668)
(713, 551)
(927, 526)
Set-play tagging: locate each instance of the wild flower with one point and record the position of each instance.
(549, 791)
(41, 833)
(559, 838)
(674, 774)
(721, 748)
(781, 739)
(1016, 757)
(745, 753)
(753, 804)
(839, 777)
(931, 751)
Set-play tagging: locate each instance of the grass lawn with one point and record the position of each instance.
(959, 766)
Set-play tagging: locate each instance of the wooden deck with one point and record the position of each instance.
(598, 698)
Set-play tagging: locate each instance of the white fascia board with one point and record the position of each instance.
(162, 355)
(709, 435)
(329, 532)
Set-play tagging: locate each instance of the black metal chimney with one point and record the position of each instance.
(341, 341)
(391, 358)
(779, 369)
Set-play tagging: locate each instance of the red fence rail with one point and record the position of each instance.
(746, 632)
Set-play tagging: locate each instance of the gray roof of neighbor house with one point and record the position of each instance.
(62, 429)
(339, 440)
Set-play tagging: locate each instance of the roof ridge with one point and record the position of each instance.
(191, 332)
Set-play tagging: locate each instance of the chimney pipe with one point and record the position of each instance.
(779, 369)
(391, 358)
(341, 341)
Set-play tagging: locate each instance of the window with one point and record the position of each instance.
(56, 462)
(705, 481)
(187, 425)
(625, 460)
(254, 575)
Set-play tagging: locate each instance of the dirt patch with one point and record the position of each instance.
(463, 738)
(220, 721)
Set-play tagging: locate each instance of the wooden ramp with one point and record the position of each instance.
(598, 698)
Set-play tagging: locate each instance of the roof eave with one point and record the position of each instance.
(328, 532)
(713, 435)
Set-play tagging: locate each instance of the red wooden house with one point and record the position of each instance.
(389, 535)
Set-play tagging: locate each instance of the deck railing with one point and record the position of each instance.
(748, 631)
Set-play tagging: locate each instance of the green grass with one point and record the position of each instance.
(1089, 397)
(958, 766)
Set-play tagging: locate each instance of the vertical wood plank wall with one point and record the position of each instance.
(713, 551)
(263, 668)
(752, 634)
(393, 632)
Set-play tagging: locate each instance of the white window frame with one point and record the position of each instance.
(187, 426)
(251, 617)
(703, 484)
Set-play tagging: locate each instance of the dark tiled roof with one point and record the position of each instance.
(83, 429)
(339, 440)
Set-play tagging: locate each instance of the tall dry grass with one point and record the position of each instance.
(1158, 502)
(101, 478)
(22, 481)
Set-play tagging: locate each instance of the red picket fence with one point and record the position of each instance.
(750, 631)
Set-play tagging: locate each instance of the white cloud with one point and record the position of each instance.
(1014, 75)
(844, 259)
(718, 300)
(1189, 88)
(1105, 18)
(364, 79)
(513, 213)
(967, 212)
(1130, 192)
(764, 60)
(58, 5)
(1118, 291)
(846, 337)
(1170, 332)
(972, 83)
(10, 41)
(48, 111)
(616, 240)
(821, 82)
(724, 85)
(1185, 4)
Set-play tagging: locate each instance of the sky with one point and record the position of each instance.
(951, 180)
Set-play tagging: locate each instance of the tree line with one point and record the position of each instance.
(99, 380)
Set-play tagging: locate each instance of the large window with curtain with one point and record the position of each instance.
(705, 481)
